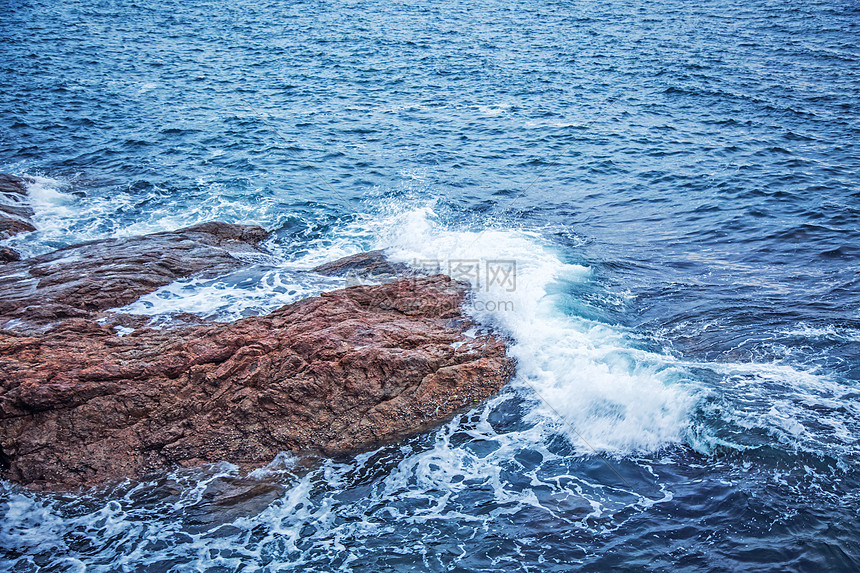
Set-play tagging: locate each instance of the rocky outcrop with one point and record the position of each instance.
(15, 213)
(75, 281)
(338, 373)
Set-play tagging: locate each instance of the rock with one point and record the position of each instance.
(11, 185)
(15, 213)
(338, 373)
(335, 374)
(10, 226)
(8, 255)
(371, 264)
(110, 273)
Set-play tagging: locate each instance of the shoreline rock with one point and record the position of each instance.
(371, 264)
(76, 281)
(339, 373)
(15, 213)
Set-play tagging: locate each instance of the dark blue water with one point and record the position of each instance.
(678, 184)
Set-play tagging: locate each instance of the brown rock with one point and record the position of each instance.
(342, 372)
(8, 255)
(99, 275)
(337, 373)
(10, 226)
(15, 213)
(11, 185)
(371, 264)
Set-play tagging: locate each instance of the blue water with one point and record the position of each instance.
(678, 184)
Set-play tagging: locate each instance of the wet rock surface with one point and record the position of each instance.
(338, 373)
(15, 212)
(8, 255)
(372, 265)
(98, 275)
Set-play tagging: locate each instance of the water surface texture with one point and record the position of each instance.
(678, 184)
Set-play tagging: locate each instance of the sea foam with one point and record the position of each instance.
(587, 379)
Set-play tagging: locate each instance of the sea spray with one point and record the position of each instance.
(589, 377)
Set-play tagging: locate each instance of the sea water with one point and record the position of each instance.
(657, 204)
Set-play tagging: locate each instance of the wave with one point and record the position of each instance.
(587, 379)
(584, 386)
(71, 210)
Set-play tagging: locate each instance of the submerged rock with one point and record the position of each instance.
(15, 212)
(337, 373)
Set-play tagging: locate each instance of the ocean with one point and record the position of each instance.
(665, 196)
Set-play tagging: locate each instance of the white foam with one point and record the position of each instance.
(831, 332)
(606, 394)
(800, 407)
(45, 197)
(52, 210)
(495, 109)
(31, 526)
(232, 297)
(62, 218)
